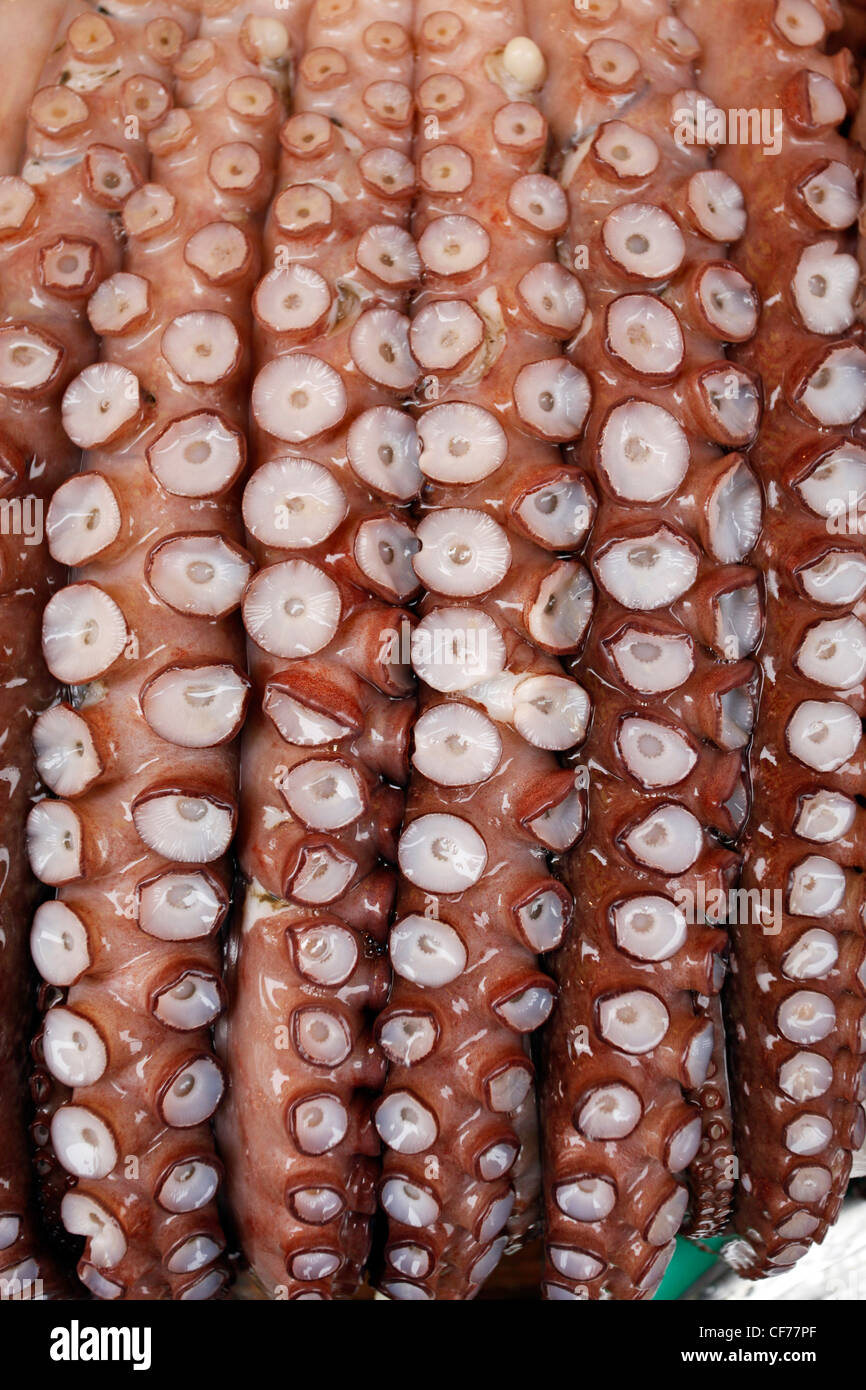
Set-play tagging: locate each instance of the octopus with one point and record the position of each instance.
(433, 648)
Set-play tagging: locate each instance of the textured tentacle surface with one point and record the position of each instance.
(28, 34)
(853, 32)
(489, 802)
(712, 1172)
(432, 467)
(797, 996)
(57, 240)
(147, 641)
(636, 1091)
(325, 747)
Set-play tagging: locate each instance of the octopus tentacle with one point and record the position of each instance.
(712, 1172)
(30, 35)
(489, 801)
(325, 748)
(851, 35)
(57, 239)
(146, 640)
(636, 1037)
(797, 993)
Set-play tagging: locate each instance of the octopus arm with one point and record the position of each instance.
(797, 995)
(635, 1119)
(324, 753)
(142, 755)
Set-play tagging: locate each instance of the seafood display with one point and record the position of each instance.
(797, 1016)
(666, 663)
(324, 753)
(70, 160)
(146, 640)
(432, 643)
(488, 800)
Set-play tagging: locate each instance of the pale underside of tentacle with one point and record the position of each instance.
(325, 746)
(490, 800)
(797, 994)
(57, 240)
(145, 642)
(635, 1118)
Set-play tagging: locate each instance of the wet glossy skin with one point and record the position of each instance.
(32, 435)
(418, 132)
(350, 677)
(21, 658)
(781, 227)
(449, 1256)
(30, 37)
(122, 990)
(272, 1078)
(275, 847)
(623, 1254)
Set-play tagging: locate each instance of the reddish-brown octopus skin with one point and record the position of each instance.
(22, 1256)
(852, 35)
(28, 33)
(797, 1016)
(489, 802)
(147, 640)
(57, 239)
(635, 1087)
(858, 133)
(712, 1172)
(604, 53)
(325, 747)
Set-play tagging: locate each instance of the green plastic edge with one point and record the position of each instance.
(690, 1261)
